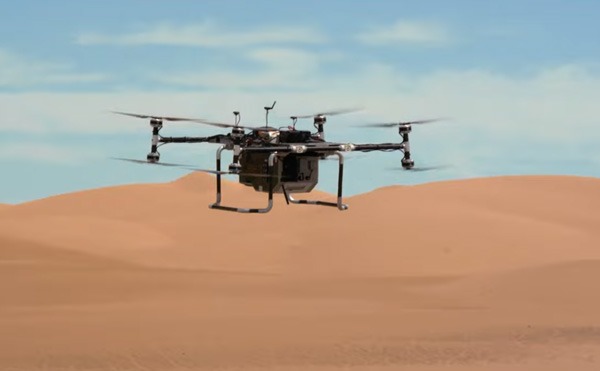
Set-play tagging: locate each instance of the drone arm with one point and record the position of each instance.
(407, 162)
(182, 140)
(330, 148)
(212, 139)
(380, 147)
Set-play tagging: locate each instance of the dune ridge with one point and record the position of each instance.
(460, 227)
(479, 274)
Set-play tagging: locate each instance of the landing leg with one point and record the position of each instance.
(217, 205)
(339, 203)
(285, 194)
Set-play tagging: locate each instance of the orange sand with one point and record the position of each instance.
(484, 274)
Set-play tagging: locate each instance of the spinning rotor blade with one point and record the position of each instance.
(165, 118)
(215, 172)
(147, 162)
(423, 168)
(392, 124)
(348, 156)
(218, 124)
(199, 121)
(190, 168)
(227, 125)
(331, 113)
(427, 168)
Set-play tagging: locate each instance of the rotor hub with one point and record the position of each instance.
(404, 129)
(320, 119)
(153, 157)
(237, 132)
(408, 163)
(155, 123)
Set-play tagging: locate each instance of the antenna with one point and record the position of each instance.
(267, 114)
(238, 117)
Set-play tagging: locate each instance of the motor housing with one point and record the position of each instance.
(404, 129)
(154, 156)
(407, 162)
(319, 122)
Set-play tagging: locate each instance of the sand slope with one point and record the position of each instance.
(496, 273)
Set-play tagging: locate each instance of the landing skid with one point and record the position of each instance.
(338, 204)
(288, 197)
(217, 205)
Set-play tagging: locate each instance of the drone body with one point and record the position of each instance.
(271, 160)
(294, 172)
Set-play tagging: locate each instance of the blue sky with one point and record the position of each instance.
(519, 79)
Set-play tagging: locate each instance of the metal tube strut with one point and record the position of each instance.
(217, 205)
(338, 204)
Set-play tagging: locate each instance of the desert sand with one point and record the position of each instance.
(482, 274)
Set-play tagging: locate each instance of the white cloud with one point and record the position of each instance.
(406, 32)
(280, 68)
(206, 34)
(17, 71)
(558, 105)
(295, 58)
(499, 123)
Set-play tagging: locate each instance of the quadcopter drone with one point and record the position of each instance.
(276, 160)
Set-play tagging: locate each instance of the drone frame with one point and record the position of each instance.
(318, 147)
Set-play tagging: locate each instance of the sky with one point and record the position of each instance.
(518, 83)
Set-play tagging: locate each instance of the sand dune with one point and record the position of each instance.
(448, 228)
(495, 274)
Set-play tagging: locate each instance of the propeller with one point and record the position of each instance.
(331, 113)
(228, 125)
(392, 124)
(200, 121)
(147, 162)
(188, 167)
(422, 168)
(165, 118)
(347, 156)
(215, 172)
